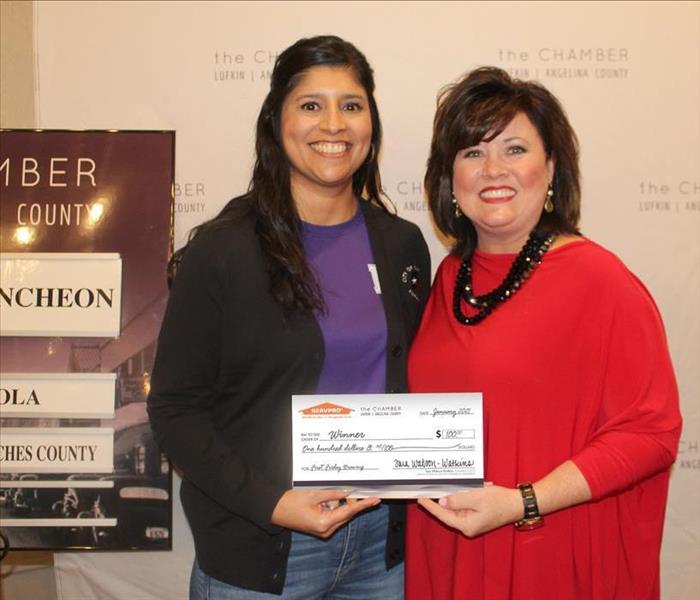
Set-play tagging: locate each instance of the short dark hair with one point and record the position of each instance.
(479, 107)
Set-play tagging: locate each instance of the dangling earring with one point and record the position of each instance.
(458, 211)
(548, 203)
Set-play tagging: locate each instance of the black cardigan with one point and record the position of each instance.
(227, 364)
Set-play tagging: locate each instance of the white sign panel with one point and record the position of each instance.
(63, 522)
(57, 450)
(60, 294)
(60, 395)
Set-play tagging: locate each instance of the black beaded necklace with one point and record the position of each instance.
(529, 257)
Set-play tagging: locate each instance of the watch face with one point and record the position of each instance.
(529, 524)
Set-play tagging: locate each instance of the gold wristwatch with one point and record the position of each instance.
(532, 518)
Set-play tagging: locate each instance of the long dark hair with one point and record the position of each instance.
(479, 107)
(292, 283)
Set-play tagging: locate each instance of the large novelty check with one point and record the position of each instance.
(388, 445)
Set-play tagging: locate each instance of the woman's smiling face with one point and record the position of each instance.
(326, 129)
(501, 185)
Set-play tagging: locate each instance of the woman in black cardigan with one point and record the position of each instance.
(267, 302)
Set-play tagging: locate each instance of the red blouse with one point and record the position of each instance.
(574, 366)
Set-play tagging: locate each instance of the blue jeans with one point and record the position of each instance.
(348, 566)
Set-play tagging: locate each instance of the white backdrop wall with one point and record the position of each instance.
(628, 74)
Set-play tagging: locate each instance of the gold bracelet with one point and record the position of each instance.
(531, 517)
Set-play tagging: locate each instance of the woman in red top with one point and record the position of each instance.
(581, 419)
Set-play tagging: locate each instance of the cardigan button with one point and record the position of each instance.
(280, 547)
(395, 526)
(396, 351)
(276, 576)
(395, 554)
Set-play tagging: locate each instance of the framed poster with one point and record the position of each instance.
(85, 235)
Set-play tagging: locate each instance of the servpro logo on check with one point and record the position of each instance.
(326, 409)
(388, 445)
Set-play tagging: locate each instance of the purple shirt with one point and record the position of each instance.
(354, 325)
